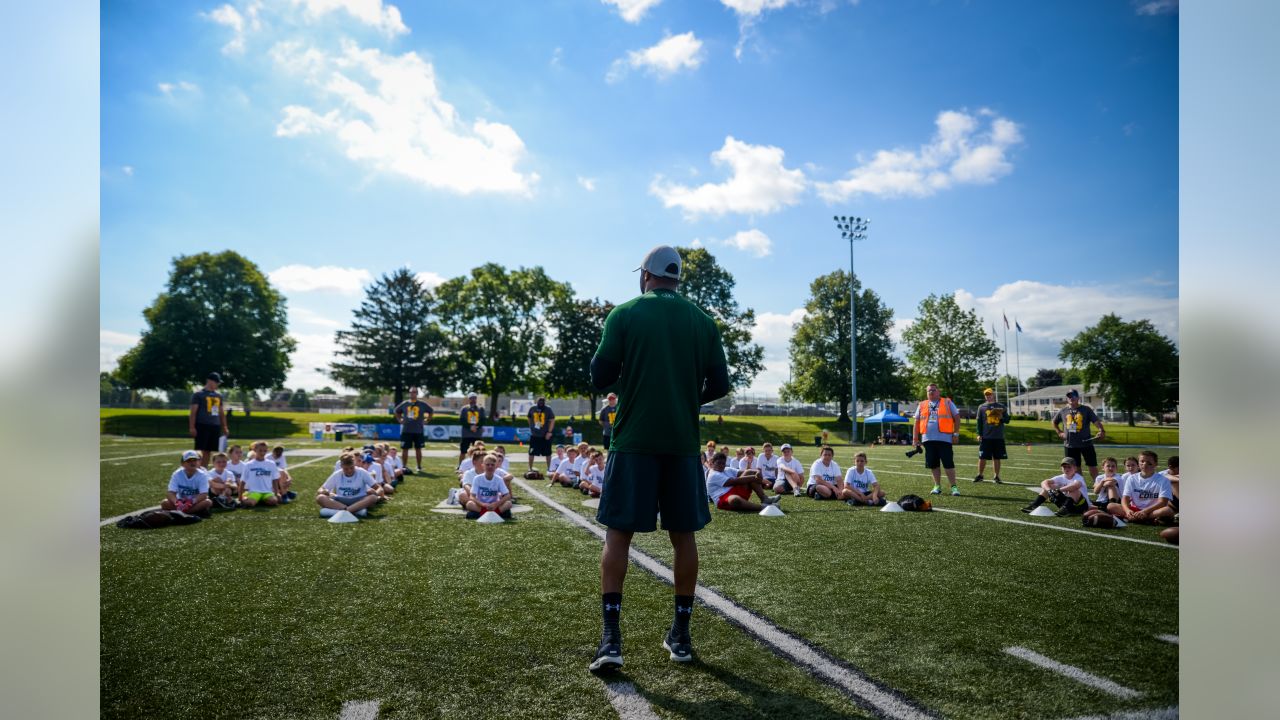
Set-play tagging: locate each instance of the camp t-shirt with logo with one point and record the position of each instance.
(413, 413)
(224, 476)
(716, 487)
(829, 473)
(607, 417)
(667, 347)
(862, 482)
(1076, 424)
(992, 417)
(488, 490)
(258, 475)
(540, 419)
(208, 407)
(1062, 482)
(188, 487)
(768, 465)
(794, 465)
(468, 416)
(355, 485)
(1144, 492)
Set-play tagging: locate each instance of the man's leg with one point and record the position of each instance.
(982, 467)
(613, 571)
(613, 561)
(937, 479)
(677, 641)
(417, 453)
(996, 463)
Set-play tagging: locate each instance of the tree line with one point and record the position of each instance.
(497, 330)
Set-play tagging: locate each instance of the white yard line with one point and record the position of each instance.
(1074, 673)
(175, 453)
(117, 518)
(1046, 526)
(360, 710)
(866, 693)
(1169, 713)
(628, 701)
(1168, 638)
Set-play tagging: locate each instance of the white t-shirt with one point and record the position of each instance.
(236, 468)
(793, 464)
(356, 485)
(488, 490)
(1118, 478)
(389, 468)
(1144, 492)
(470, 475)
(279, 461)
(862, 482)
(465, 465)
(555, 463)
(258, 475)
(188, 487)
(506, 464)
(768, 465)
(375, 469)
(733, 463)
(716, 485)
(573, 468)
(223, 476)
(1062, 482)
(395, 461)
(830, 473)
(594, 474)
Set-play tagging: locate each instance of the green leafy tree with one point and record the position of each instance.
(112, 391)
(1134, 366)
(218, 312)
(949, 346)
(299, 400)
(578, 325)
(710, 287)
(820, 347)
(393, 344)
(1045, 377)
(496, 322)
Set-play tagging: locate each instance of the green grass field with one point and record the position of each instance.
(276, 613)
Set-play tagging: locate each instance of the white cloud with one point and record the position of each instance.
(772, 332)
(751, 241)
(127, 170)
(303, 316)
(1156, 7)
(1050, 314)
(557, 56)
(328, 278)
(960, 153)
(239, 24)
(314, 350)
(673, 54)
(632, 10)
(111, 345)
(587, 183)
(754, 8)
(697, 243)
(430, 280)
(168, 88)
(385, 18)
(390, 116)
(760, 184)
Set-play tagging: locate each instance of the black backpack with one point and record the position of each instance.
(153, 519)
(915, 503)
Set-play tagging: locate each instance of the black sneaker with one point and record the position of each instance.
(1028, 509)
(997, 480)
(608, 657)
(472, 515)
(977, 478)
(291, 495)
(681, 648)
(1063, 512)
(505, 514)
(771, 500)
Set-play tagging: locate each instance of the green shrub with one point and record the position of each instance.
(241, 428)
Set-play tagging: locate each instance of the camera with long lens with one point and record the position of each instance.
(914, 452)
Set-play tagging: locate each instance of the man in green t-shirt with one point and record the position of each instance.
(665, 355)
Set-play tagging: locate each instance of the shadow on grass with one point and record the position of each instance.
(756, 699)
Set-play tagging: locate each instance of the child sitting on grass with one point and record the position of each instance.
(260, 475)
(824, 477)
(1067, 490)
(733, 492)
(1173, 475)
(370, 463)
(1148, 496)
(489, 492)
(235, 463)
(397, 467)
(284, 482)
(1108, 486)
(860, 486)
(188, 489)
(350, 488)
(567, 473)
(592, 481)
(223, 484)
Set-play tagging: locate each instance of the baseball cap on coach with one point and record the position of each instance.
(662, 261)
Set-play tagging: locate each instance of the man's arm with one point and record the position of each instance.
(715, 385)
(1101, 430)
(604, 372)
(191, 419)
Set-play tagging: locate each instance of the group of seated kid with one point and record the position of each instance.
(578, 466)
(1140, 495)
(731, 482)
(232, 482)
(482, 480)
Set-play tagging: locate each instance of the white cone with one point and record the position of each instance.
(328, 512)
(1042, 511)
(342, 516)
(490, 518)
(892, 507)
(772, 511)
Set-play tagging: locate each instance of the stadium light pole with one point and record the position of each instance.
(852, 228)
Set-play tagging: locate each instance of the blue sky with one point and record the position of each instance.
(1023, 155)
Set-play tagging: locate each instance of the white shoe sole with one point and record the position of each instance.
(677, 658)
(605, 663)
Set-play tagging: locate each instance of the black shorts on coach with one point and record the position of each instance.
(207, 436)
(637, 486)
(992, 449)
(411, 440)
(1085, 457)
(938, 451)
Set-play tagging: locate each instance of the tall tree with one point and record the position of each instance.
(578, 325)
(949, 346)
(218, 312)
(820, 347)
(1045, 377)
(393, 344)
(1134, 366)
(496, 321)
(113, 392)
(299, 400)
(710, 287)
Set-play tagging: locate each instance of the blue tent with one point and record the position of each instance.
(885, 416)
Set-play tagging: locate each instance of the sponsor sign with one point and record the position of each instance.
(520, 408)
(438, 432)
(523, 434)
(504, 433)
(388, 431)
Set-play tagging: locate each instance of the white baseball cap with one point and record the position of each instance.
(190, 455)
(786, 446)
(662, 261)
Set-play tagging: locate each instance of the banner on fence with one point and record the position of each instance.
(523, 433)
(504, 433)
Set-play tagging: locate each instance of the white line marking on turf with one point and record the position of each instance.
(1075, 673)
(360, 710)
(865, 692)
(139, 457)
(1168, 638)
(112, 520)
(628, 701)
(1058, 527)
(1169, 713)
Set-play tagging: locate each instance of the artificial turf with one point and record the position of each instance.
(276, 613)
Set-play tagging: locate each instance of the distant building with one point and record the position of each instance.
(1044, 403)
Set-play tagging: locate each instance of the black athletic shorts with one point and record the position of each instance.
(207, 436)
(638, 486)
(412, 440)
(938, 451)
(1084, 457)
(992, 449)
(539, 446)
(812, 491)
(608, 438)
(465, 446)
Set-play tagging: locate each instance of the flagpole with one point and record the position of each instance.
(1017, 352)
(996, 335)
(1006, 358)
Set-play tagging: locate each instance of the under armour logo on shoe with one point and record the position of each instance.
(685, 610)
(618, 607)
